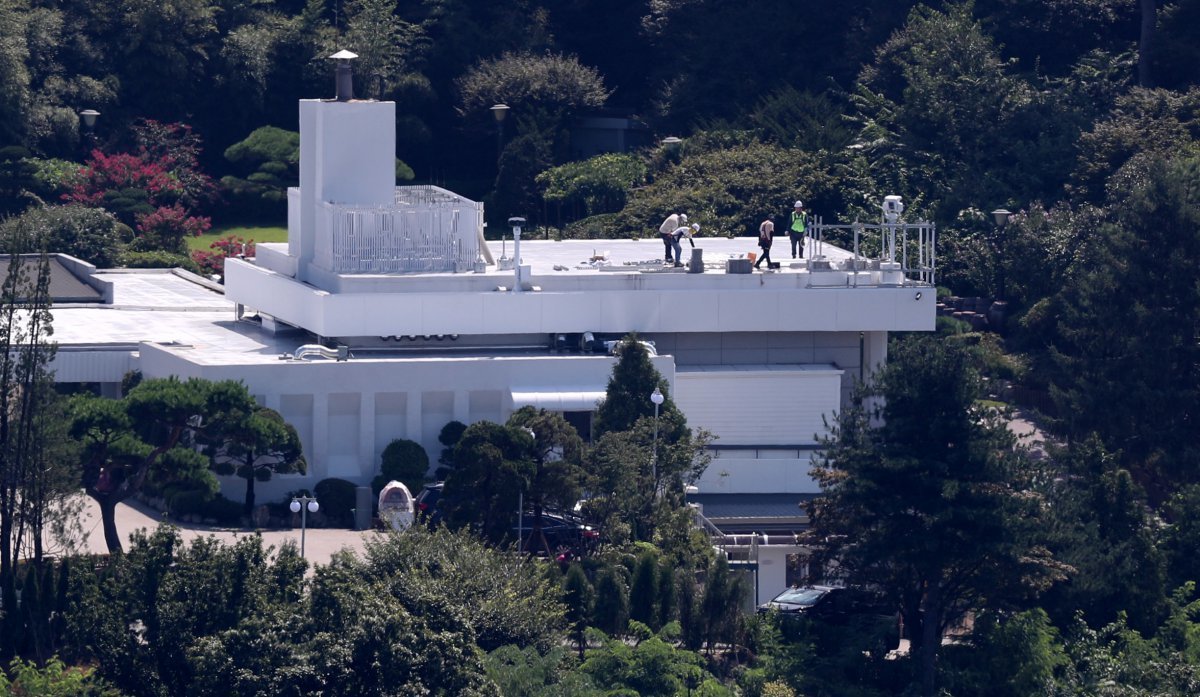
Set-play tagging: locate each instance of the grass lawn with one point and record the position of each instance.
(258, 234)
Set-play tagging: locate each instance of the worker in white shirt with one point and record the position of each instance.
(667, 232)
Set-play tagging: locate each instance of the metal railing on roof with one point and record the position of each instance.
(426, 230)
(909, 249)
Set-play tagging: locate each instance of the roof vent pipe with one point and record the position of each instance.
(516, 224)
(343, 78)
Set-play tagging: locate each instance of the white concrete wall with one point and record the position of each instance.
(759, 405)
(758, 472)
(346, 413)
(723, 304)
(347, 155)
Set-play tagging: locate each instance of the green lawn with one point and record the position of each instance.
(258, 234)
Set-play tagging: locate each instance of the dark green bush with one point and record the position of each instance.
(159, 260)
(403, 460)
(90, 234)
(336, 498)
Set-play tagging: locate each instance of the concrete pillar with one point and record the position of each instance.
(320, 454)
(364, 507)
(366, 434)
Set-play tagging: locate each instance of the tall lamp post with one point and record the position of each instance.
(1000, 216)
(304, 505)
(499, 111)
(88, 116)
(657, 397)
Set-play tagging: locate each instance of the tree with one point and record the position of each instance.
(90, 234)
(404, 460)
(264, 165)
(643, 591)
(925, 496)
(558, 82)
(1100, 525)
(483, 488)
(33, 468)
(556, 477)
(535, 454)
(720, 606)
(1124, 354)
(504, 598)
(636, 487)
(610, 610)
(594, 186)
(627, 397)
(383, 41)
(577, 595)
(254, 445)
(124, 440)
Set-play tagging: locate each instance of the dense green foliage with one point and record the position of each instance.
(1082, 116)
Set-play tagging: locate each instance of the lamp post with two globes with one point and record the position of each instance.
(304, 505)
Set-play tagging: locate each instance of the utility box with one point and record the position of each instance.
(742, 265)
(696, 265)
(364, 504)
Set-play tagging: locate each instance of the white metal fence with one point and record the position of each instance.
(426, 230)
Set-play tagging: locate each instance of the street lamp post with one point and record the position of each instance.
(88, 116)
(657, 397)
(304, 505)
(1000, 216)
(499, 111)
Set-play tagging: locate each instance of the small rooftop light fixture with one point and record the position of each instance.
(343, 78)
(1001, 216)
(499, 111)
(672, 142)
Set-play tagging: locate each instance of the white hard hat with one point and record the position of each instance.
(683, 217)
(799, 204)
(696, 227)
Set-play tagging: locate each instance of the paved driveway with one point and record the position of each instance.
(319, 544)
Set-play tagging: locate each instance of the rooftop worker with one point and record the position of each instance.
(681, 232)
(766, 233)
(667, 232)
(796, 230)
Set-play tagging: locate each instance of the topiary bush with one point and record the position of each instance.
(336, 498)
(405, 461)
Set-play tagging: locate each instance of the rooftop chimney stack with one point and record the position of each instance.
(343, 78)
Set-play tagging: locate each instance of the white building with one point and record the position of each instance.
(435, 331)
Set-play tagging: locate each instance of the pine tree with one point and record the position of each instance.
(643, 591)
(577, 594)
(611, 610)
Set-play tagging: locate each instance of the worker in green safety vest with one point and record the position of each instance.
(796, 230)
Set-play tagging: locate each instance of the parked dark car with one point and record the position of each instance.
(867, 611)
(565, 534)
(426, 504)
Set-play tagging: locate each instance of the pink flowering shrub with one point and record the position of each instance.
(126, 179)
(176, 148)
(166, 228)
(213, 262)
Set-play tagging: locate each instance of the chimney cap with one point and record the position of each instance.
(344, 55)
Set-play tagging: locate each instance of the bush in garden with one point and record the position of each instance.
(125, 184)
(159, 260)
(90, 234)
(403, 460)
(336, 498)
(166, 228)
(213, 263)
